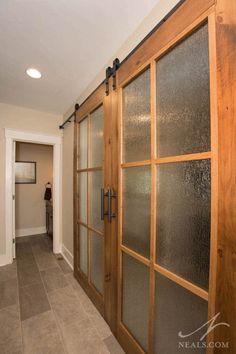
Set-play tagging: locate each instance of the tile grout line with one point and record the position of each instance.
(18, 290)
(89, 315)
(57, 326)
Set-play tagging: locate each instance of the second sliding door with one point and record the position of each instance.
(165, 199)
(95, 205)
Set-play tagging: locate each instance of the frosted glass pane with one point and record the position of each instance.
(97, 261)
(96, 138)
(96, 183)
(136, 299)
(183, 219)
(136, 119)
(83, 248)
(83, 144)
(136, 209)
(83, 196)
(177, 309)
(183, 97)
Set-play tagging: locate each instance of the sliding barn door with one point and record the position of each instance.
(95, 204)
(166, 197)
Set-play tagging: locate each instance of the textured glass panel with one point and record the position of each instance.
(83, 248)
(96, 138)
(83, 144)
(136, 119)
(183, 219)
(136, 209)
(136, 298)
(183, 97)
(97, 261)
(177, 309)
(96, 183)
(83, 196)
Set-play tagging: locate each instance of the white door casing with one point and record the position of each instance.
(12, 136)
(13, 201)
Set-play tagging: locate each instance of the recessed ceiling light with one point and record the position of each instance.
(34, 73)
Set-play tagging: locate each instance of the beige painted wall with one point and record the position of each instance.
(28, 120)
(29, 198)
(67, 187)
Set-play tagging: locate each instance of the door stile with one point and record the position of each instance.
(214, 171)
(225, 22)
(88, 200)
(111, 182)
(153, 208)
(120, 207)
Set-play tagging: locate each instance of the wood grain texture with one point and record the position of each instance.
(75, 194)
(214, 172)
(91, 103)
(186, 14)
(226, 95)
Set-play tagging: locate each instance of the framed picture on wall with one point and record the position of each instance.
(25, 172)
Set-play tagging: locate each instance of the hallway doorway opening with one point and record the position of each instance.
(33, 190)
(54, 142)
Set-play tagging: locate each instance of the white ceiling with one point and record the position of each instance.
(69, 41)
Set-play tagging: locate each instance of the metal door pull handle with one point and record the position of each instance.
(103, 195)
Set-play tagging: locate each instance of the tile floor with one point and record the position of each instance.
(44, 310)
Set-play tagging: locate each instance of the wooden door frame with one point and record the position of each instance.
(225, 285)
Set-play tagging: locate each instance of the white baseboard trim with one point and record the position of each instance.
(4, 260)
(68, 256)
(31, 231)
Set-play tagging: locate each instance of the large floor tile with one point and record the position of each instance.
(34, 239)
(8, 293)
(97, 320)
(66, 305)
(84, 299)
(41, 336)
(49, 241)
(113, 346)
(27, 273)
(53, 279)
(22, 239)
(40, 248)
(8, 272)
(80, 338)
(27, 261)
(100, 325)
(10, 333)
(45, 261)
(23, 249)
(71, 279)
(33, 300)
(24, 254)
(63, 264)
